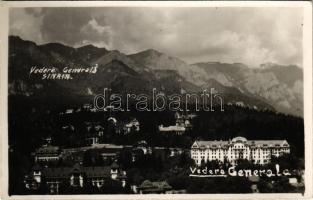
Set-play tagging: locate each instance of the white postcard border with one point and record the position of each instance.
(308, 101)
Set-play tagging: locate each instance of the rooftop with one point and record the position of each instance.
(252, 143)
(89, 172)
(46, 149)
(171, 128)
(154, 186)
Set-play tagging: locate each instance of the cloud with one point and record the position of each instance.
(26, 24)
(248, 35)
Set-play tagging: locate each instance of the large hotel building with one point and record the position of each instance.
(258, 151)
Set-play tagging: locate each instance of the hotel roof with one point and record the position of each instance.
(251, 143)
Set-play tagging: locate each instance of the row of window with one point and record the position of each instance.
(233, 156)
(266, 151)
(255, 160)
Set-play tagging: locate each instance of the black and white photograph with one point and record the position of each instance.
(141, 100)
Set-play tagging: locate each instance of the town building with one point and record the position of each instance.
(108, 152)
(143, 146)
(124, 127)
(87, 106)
(156, 187)
(47, 140)
(177, 129)
(47, 153)
(257, 151)
(175, 151)
(92, 138)
(76, 176)
(69, 111)
(183, 120)
(182, 124)
(132, 125)
(95, 127)
(72, 157)
(95, 132)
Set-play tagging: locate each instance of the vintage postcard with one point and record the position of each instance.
(157, 100)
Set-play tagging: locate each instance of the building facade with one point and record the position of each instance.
(257, 151)
(133, 125)
(75, 176)
(182, 124)
(47, 153)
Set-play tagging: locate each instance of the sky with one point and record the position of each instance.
(243, 35)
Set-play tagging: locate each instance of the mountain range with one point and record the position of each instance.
(271, 86)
